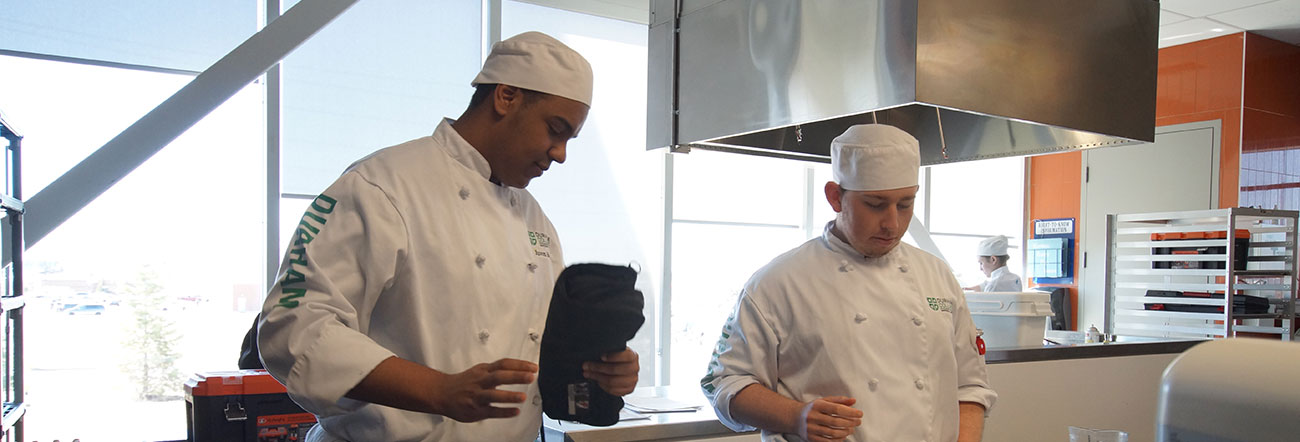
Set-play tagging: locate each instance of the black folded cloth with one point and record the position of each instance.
(595, 310)
(248, 358)
(1241, 304)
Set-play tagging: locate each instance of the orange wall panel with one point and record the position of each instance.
(1271, 114)
(1200, 76)
(1272, 71)
(1262, 130)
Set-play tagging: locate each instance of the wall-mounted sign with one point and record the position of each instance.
(1051, 252)
(1054, 226)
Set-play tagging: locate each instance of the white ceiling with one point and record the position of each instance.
(1186, 21)
(1181, 21)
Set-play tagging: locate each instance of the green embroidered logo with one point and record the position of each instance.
(939, 304)
(308, 227)
(539, 239)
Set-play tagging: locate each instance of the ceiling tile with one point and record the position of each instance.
(1168, 17)
(1202, 8)
(1279, 20)
(1195, 29)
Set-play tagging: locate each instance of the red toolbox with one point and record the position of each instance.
(242, 405)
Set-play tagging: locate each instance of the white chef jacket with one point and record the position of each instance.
(1002, 280)
(821, 320)
(413, 253)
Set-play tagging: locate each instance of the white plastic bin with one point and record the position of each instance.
(1010, 319)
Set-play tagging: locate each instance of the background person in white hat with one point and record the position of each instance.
(411, 302)
(854, 335)
(993, 259)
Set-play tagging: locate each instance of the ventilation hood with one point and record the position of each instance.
(969, 79)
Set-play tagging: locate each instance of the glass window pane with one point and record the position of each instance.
(719, 186)
(50, 104)
(291, 213)
(381, 74)
(148, 278)
(983, 197)
(189, 35)
(606, 200)
(710, 266)
(822, 211)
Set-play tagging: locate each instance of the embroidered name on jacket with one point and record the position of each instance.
(308, 227)
(539, 239)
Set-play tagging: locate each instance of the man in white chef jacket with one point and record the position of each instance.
(993, 259)
(411, 303)
(854, 335)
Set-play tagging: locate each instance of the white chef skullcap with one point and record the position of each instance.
(539, 62)
(995, 246)
(875, 157)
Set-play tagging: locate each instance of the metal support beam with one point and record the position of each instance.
(491, 13)
(68, 194)
(272, 161)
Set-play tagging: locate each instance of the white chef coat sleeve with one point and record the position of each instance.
(345, 252)
(972, 376)
(746, 354)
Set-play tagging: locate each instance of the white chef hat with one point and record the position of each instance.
(875, 157)
(995, 246)
(539, 62)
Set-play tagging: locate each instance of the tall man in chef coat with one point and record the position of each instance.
(854, 335)
(993, 259)
(411, 303)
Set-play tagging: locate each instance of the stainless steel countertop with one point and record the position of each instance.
(698, 423)
(1054, 352)
(703, 422)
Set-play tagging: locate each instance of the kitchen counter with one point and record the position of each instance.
(1018, 374)
(698, 425)
(1056, 352)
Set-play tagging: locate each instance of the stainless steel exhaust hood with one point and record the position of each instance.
(970, 79)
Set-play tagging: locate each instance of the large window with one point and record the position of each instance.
(383, 73)
(142, 287)
(1270, 179)
(971, 201)
(731, 215)
(188, 35)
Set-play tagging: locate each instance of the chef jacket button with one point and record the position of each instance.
(483, 335)
(479, 260)
(534, 335)
(844, 266)
(902, 269)
(920, 384)
(917, 321)
(532, 267)
(513, 200)
(859, 318)
(873, 383)
(537, 399)
(464, 193)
